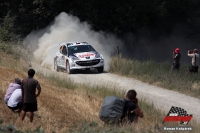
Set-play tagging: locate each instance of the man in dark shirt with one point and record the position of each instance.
(29, 95)
(176, 59)
(131, 108)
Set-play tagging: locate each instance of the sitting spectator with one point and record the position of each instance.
(14, 102)
(11, 88)
(131, 108)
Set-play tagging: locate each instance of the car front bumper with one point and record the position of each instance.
(77, 64)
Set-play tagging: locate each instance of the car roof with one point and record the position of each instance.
(74, 43)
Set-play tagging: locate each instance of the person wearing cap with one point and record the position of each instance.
(11, 88)
(195, 60)
(176, 59)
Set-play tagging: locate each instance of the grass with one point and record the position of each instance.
(68, 107)
(158, 74)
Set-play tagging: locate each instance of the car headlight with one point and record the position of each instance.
(101, 56)
(97, 55)
(74, 58)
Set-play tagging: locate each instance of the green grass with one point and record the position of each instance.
(10, 128)
(159, 74)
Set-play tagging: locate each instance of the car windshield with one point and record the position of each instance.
(80, 49)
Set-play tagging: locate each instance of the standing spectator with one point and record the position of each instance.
(14, 101)
(11, 88)
(176, 59)
(29, 95)
(131, 108)
(195, 61)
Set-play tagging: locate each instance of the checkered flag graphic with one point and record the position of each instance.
(179, 112)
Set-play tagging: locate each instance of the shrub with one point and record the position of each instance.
(7, 29)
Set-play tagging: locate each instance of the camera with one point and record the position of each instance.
(190, 51)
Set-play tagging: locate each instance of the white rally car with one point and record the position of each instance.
(78, 55)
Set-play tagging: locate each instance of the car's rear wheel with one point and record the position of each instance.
(69, 71)
(56, 65)
(100, 69)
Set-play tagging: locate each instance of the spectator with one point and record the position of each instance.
(195, 61)
(131, 108)
(176, 58)
(29, 95)
(11, 88)
(14, 101)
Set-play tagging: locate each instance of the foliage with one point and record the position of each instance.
(7, 29)
(108, 15)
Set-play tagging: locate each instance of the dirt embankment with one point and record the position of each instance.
(58, 108)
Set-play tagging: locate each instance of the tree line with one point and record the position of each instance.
(153, 17)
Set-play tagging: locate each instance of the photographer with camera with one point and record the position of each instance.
(131, 109)
(176, 59)
(195, 61)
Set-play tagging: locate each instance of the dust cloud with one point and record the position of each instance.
(67, 28)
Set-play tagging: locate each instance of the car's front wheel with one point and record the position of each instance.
(100, 69)
(69, 71)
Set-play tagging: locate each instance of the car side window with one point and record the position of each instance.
(64, 50)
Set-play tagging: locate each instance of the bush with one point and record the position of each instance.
(7, 30)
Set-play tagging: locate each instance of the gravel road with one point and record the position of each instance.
(163, 99)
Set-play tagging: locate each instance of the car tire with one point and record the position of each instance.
(100, 69)
(68, 68)
(56, 66)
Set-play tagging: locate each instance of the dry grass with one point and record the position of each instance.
(60, 108)
(158, 74)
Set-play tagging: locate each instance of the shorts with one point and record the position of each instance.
(30, 107)
(19, 105)
(193, 68)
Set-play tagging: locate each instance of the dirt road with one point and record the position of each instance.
(162, 99)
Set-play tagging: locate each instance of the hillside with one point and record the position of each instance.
(58, 108)
(64, 104)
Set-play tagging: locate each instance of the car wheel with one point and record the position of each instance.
(56, 66)
(100, 69)
(68, 68)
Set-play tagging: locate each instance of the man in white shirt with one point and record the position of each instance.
(195, 60)
(14, 101)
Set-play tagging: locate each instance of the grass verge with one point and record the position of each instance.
(78, 107)
(158, 74)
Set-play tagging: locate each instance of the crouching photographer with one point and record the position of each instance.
(193, 68)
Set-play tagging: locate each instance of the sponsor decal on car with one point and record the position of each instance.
(85, 55)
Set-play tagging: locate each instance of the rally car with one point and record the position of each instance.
(78, 55)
